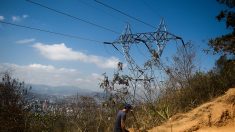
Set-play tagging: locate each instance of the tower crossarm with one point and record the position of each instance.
(148, 37)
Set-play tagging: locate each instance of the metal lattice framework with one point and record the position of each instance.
(155, 43)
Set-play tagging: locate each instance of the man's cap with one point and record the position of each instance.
(128, 106)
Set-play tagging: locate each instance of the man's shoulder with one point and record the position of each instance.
(120, 112)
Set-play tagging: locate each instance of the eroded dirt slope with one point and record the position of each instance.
(215, 116)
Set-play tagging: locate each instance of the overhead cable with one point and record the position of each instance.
(150, 8)
(123, 13)
(102, 10)
(71, 16)
(51, 32)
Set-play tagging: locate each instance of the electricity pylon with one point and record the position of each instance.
(155, 42)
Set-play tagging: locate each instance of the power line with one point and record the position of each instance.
(114, 47)
(71, 16)
(123, 13)
(52, 32)
(102, 10)
(150, 8)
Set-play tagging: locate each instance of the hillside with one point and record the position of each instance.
(215, 116)
(60, 90)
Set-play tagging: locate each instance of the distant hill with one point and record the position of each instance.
(60, 90)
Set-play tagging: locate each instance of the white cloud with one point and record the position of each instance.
(60, 52)
(2, 18)
(19, 18)
(25, 41)
(51, 76)
(82, 80)
(25, 16)
(41, 67)
(16, 18)
(97, 76)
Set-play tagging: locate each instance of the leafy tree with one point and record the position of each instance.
(225, 69)
(225, 44)
(13, 110)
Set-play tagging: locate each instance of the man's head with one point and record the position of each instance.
(128, 107)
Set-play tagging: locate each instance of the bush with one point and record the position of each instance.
(13, 110)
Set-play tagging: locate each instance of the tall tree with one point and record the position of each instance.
(225, 44)
(13, 108)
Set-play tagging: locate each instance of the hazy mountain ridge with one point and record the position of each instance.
(60, 90)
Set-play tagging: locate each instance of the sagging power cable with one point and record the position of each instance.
(123, 13)
(51, 32)
(71, 16)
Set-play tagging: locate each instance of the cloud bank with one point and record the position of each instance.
(60, 52)
(52, 76)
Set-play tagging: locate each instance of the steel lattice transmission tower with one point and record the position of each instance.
(155, 42)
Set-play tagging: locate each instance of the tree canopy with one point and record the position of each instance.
(225, 44)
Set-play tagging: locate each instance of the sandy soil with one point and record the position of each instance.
(215, 116)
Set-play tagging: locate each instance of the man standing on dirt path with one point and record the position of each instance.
(120, 119)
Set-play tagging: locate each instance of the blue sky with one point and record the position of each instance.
(43, 58)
